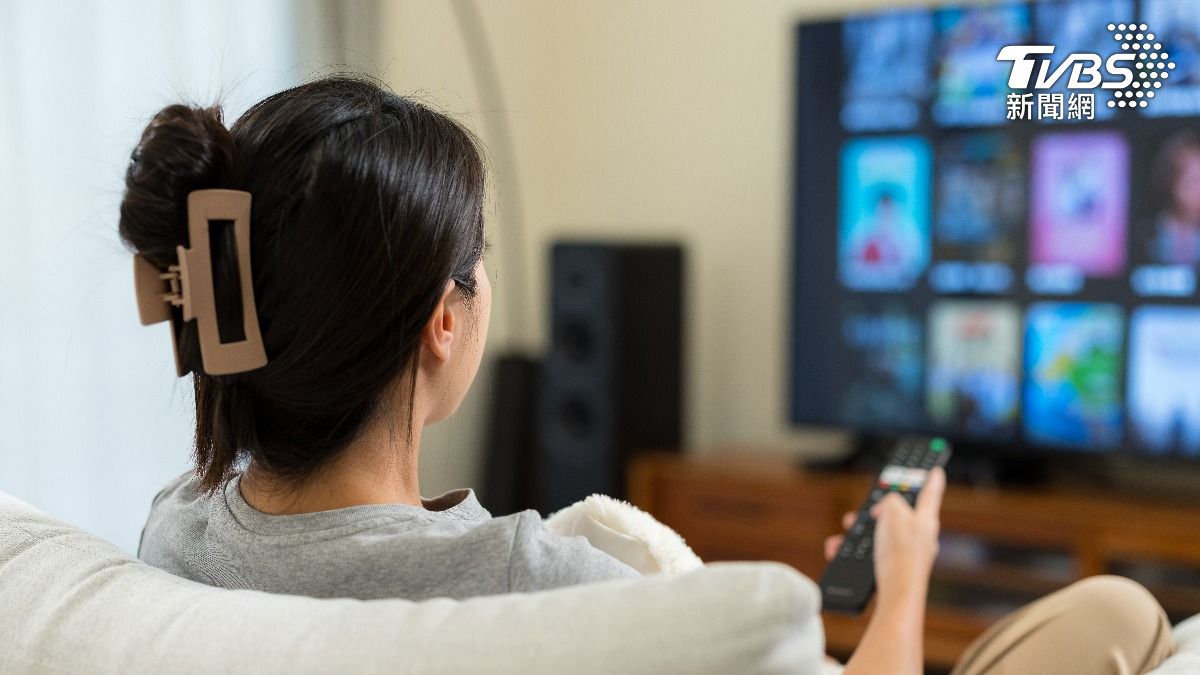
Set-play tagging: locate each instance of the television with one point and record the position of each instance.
(1010, 267)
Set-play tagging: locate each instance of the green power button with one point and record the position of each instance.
(937, 445)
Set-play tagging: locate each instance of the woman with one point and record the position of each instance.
(364, 279)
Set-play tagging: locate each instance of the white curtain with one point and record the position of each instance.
(92, 418)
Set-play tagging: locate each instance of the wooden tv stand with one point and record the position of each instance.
(1000, 547)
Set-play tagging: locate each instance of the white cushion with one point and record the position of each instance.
(1187, 658)
(71, 603)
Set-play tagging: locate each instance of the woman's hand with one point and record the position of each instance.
(906, 539)
(905, 546)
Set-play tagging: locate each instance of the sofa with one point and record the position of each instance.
(72, 603)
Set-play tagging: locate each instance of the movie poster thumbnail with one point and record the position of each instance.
(1164, 369)
(888, 70)
(883, 236)
(1073, 375)
(1175, 25)
(974, 367)
(1080, 201)
(1169, 233)
(886, 366)
(980, 193)
(971, 84)
(1075, 27)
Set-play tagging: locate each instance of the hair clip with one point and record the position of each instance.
(189, 286)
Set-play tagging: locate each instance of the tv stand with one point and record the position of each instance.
(1001, 546)
(967, 468)
(995, 472)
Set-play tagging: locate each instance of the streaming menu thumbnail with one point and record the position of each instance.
(974, 366)
(1079, 27)
(887, 70)
(885, 367)
(883, 238)
(1072, 375)
(1176, 27)
(1080, 202)
(1164, 379)
(971, 83)
(980, 198)
(1172, 232)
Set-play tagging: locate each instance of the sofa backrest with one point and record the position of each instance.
(72, 603)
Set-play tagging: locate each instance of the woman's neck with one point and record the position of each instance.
(378, 467)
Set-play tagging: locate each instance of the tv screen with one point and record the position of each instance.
(1003, 261)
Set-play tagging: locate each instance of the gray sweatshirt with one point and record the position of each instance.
(452, 547)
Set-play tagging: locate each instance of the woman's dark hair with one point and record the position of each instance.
(365, 205)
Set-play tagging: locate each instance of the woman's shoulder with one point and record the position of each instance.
(181, 493)
(183, 487)
(175, 536)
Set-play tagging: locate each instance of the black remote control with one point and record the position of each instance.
(849, 579)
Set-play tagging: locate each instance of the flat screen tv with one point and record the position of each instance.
(1010, 263)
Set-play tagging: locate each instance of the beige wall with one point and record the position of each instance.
(642, 120)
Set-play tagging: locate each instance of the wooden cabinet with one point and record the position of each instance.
(1000, 548)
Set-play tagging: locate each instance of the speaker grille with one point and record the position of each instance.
(611, 382)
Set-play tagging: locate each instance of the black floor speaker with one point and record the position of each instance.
(511, 476)
(611, 384)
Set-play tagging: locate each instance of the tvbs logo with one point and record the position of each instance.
(1085, 69)
(1133, 73)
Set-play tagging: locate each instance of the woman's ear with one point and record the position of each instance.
(438, 334)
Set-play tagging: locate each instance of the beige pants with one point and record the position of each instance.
(1102, 625)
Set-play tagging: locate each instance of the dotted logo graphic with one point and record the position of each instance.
(1152, 65)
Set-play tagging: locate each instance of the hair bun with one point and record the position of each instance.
(183, 148)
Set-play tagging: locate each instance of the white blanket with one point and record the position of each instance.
(628, 534)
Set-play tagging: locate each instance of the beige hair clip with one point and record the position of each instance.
(189, 285)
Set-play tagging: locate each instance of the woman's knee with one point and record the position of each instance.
(1113, 596)
(1122, 616)
(1102, 624)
